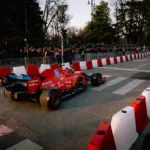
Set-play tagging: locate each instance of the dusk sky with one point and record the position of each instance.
(79, 10)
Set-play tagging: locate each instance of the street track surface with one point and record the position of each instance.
(72, 126)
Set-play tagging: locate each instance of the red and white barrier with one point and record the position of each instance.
(141, 118)
(128, 57)
(103, 138)
(124, 128)
(89, 64)
(118, 59)
(95, 63)
(83, 65)
(146, 93)
(66, 65)
(124, 58)
(107, 61)
(99, 61)
(44, 67)
(112, 60)
(104, 63)
(76, 66)
(115, 60)
(32, 70)
(19, 70)
(4, 72)
(133, 57)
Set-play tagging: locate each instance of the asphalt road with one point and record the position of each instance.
(71, 127)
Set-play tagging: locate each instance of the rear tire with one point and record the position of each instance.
(8, 94)
(51, 99)
(96, 79)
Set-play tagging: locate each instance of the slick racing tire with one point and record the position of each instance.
(96, 79)
(8, 94)
(79, 83)
(51, 99)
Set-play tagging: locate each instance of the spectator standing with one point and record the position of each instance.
(44, 55)
(124, 49)
(83, 53)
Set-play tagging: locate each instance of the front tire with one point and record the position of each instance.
(51, 99)
(96, 79)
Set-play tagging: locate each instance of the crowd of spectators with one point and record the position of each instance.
(69, 53)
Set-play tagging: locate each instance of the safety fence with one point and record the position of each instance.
(92, 56)
(51, 60)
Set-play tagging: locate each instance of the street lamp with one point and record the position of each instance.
(92, 6)
(26, 26)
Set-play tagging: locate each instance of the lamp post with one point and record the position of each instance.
(92, 3)
(26, 25)
(62, 9)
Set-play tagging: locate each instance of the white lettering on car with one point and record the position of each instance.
(46, 83)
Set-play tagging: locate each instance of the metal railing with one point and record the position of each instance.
(50, 60)
(91, 56)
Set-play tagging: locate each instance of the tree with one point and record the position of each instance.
(99, 29)
(51, 16)
(133, 20)
(12, 27)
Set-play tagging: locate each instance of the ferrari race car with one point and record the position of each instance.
(50, 87)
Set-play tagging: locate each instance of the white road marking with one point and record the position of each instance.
(26, 145)
(141, 66)
(125, 69)
(107, 76)
(110, 83)
(4, 130)
(128, 87)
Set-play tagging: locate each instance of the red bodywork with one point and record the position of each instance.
(33, 85)
(63, 80)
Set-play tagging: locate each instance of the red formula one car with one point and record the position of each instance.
(50, 87)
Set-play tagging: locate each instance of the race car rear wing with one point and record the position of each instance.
(10, 79)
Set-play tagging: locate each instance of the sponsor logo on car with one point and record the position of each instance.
(33, 81)
(57, 73)
(46, 83)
